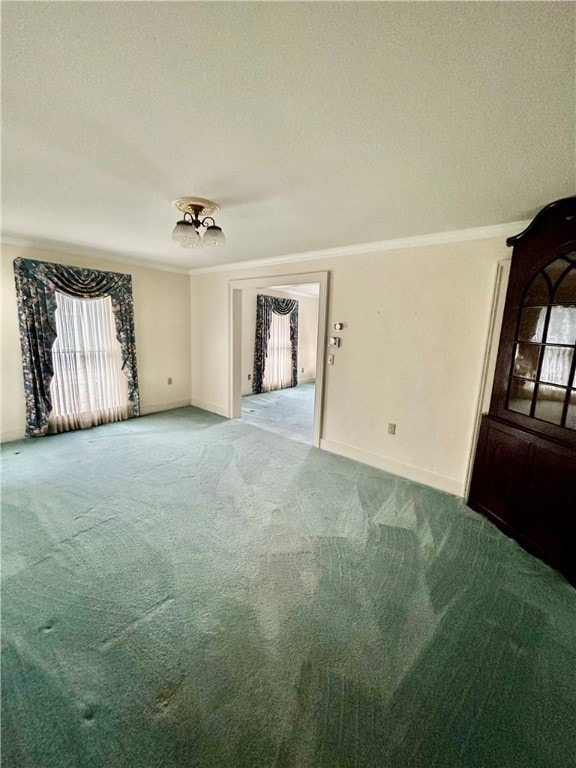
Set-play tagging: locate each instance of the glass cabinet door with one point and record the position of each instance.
(541, 383)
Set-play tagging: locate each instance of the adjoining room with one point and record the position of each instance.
(279, 350)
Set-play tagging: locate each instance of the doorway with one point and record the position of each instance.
(295, 411)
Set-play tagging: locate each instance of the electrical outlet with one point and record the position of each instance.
(249, 377)
(302, 371)
(391, 428)
(330, 360)
(170, 380)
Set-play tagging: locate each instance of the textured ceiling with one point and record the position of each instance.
(314, 125)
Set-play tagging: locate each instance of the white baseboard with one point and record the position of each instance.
(221, 411)
(305, 380)
(158, 407)
(410, 472)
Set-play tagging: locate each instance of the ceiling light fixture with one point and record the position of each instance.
(197, 215)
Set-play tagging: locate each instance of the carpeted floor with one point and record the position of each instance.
(288, 412)
(186, 591)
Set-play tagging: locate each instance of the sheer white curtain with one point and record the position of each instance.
(88, 387)
(557, 361)
(278, 368)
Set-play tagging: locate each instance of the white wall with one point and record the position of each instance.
(413, 346)
(307, 333)
(162, 325)
(307, 338)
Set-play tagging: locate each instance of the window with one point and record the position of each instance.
(37, 283)
(275, 344)
(88, 387)
(278, 367)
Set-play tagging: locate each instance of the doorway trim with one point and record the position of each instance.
(235, 288)
(500, 287)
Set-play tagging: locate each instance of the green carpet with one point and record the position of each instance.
(182, 590)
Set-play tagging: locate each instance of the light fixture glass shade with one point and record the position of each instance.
(214, 236)
(182, 231)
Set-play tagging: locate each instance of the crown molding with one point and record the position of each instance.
(401, 243)
(438, 238)
(56, 246)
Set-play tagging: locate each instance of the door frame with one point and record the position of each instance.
(500, 287)
(235, 289)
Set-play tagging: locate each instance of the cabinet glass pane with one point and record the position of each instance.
(571, 415)
(555, 269)
(556, 364)
(526, 360)
(562, 326)
(538, 292)
(520, 397)
(566, 291)
(532, 324)
(550, 403)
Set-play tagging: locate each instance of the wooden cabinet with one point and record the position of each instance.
(524, 476)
